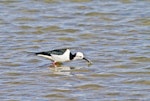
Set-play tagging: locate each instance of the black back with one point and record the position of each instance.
(56, 52)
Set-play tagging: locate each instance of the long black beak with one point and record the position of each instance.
(87, 60)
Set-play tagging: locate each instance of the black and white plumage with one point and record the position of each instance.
(62, 55)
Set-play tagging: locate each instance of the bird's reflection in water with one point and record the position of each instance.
(62, 70)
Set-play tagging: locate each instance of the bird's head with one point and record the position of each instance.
(79, 55)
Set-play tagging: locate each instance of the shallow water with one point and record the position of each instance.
(114, 35)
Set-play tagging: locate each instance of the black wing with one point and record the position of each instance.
(56, 52)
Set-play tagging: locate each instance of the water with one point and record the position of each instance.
(113, 34)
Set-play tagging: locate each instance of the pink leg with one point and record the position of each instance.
(54, 63)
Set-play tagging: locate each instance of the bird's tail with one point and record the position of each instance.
(38, 53)
(42, 53)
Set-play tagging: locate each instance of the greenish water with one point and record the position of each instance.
(114, 35)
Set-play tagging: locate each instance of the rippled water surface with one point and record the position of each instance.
(113, 34)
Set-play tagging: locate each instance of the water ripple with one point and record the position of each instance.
(114, 35)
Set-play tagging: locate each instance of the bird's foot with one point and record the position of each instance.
(56, 64)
